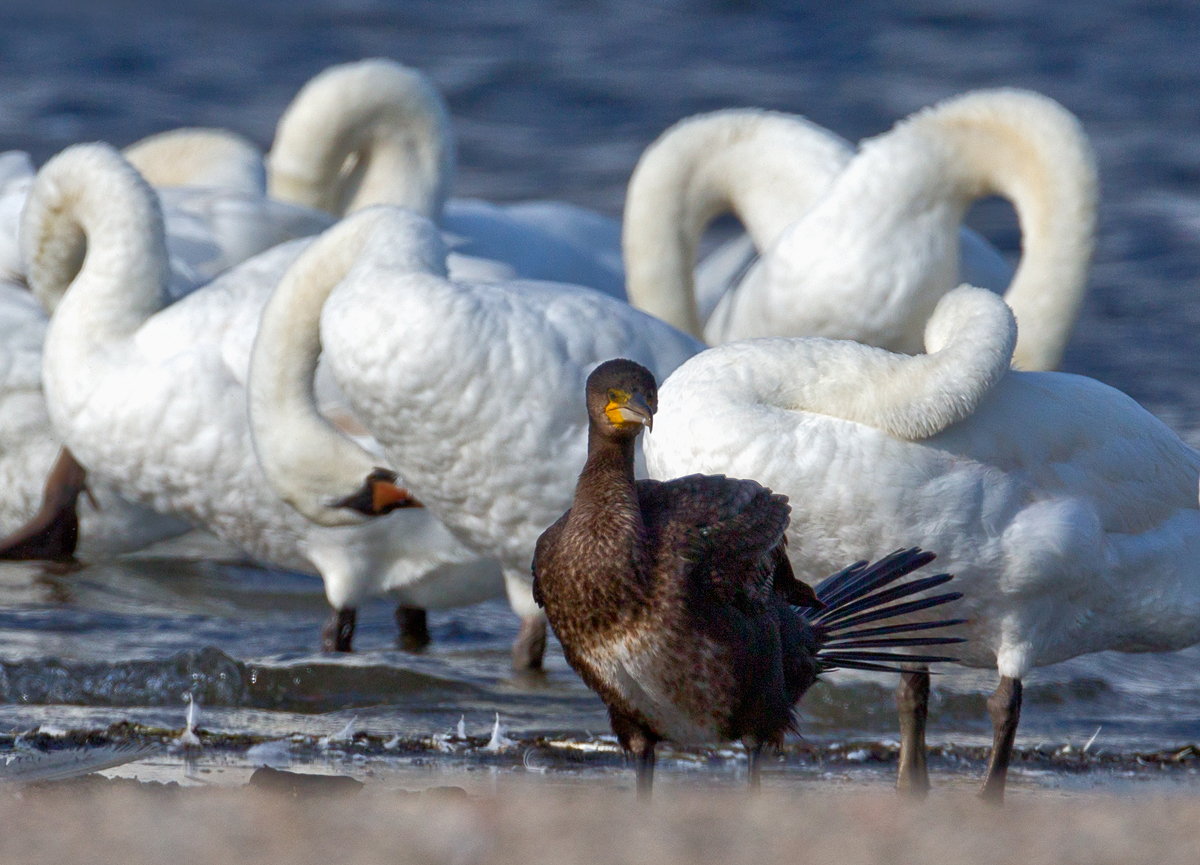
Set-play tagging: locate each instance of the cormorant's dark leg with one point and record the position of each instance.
(643, 756)
(414, 628)
(54, 530)
(754, 758)
(338, 632)
(638, 742)
(912, 703)
(1005, 708)
(530, 646)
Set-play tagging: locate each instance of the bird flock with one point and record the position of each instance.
(321, 358)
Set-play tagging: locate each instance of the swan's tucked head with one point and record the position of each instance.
(311, 464)
(211, 158)
(358, 134)
(380, 494)
(622, 397)
(89, 203)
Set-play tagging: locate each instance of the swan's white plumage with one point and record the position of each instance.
(16, 173)
(200, 158)
(879, 243)
(377, 132)
(468, 387)
(580, 252)
(208, 230)
(1068, 513)
(152, 401)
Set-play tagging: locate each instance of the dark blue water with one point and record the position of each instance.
(558, 100)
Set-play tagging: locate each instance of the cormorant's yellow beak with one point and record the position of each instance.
(624, 409)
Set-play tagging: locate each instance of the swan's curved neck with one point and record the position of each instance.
(1030, 150)
(372, 132)
(93, 225)
(766, 168)
(969, 339)
(212, 158)
(309, 462)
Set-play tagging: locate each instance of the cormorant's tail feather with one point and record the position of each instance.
(861, 577)
(891, 642)
(884, 630)
(831, 616)
(857, 595)
(894, 610)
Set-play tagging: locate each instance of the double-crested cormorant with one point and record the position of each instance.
(676, 603)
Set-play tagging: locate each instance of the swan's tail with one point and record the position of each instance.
(858, 595)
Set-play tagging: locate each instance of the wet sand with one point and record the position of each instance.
(524, 821)
(353, 797)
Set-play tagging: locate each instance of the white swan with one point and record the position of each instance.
(212, 184)
(215, 216)
(869, 257)
(199, 157)
(28, 445)
(469, 388)
(1068, 514)
(152, 400)
(376, 132)
(767, 168)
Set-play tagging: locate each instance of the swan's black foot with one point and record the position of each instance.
(53, 531)
(414, 628)
(912, 702)
(337, 635)
(1005, 708)
(530, 645)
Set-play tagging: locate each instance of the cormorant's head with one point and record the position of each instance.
(622, 397)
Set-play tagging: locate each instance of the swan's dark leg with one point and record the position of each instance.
(54, 530)
(414, 628)
(754, 751)
(530, 645)
(912, 703)
(338, 633)
(1005, 708)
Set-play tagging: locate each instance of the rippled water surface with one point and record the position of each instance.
(558, 100)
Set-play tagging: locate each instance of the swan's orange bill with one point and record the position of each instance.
(385, 496)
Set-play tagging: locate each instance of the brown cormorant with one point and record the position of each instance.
(675, 601)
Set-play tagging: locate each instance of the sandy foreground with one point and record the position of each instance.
(98, 820)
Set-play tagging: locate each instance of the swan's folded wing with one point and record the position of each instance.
(727, 534)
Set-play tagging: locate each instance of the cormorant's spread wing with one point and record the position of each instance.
(726, 533)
